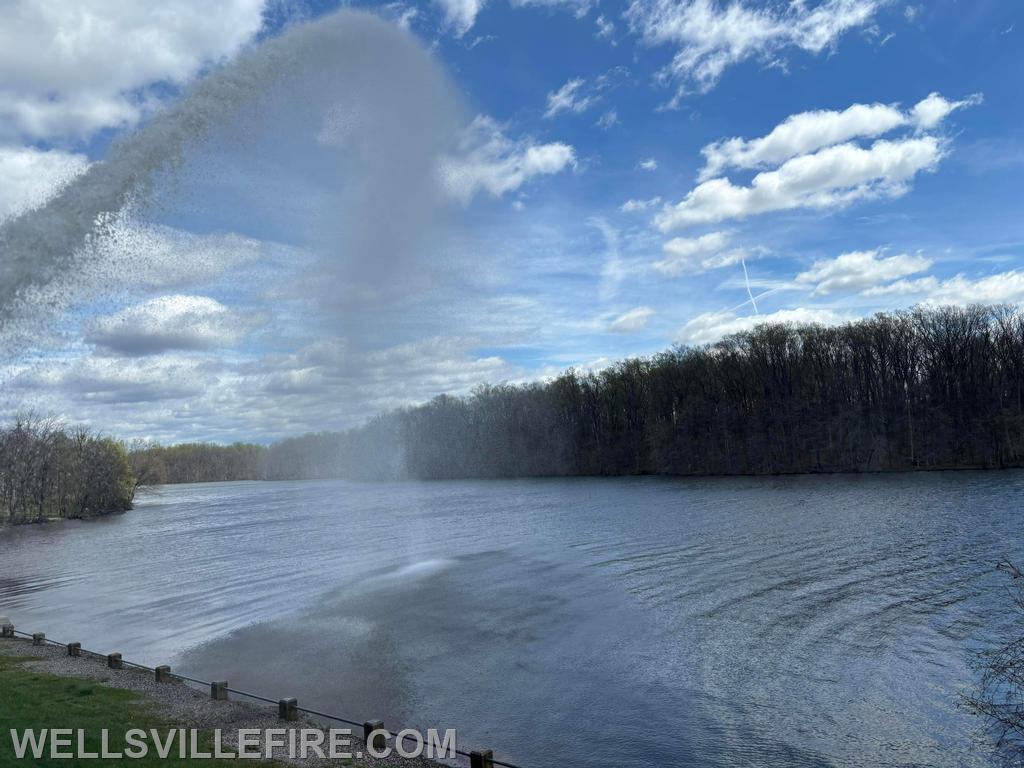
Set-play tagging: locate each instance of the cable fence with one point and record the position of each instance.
(288, 709)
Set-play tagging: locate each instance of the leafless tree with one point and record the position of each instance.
(1000, 694)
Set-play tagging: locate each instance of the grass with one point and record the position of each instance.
(35, 700)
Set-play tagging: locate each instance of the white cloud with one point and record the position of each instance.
(1001, 288)
(648, 164)
(165, 323)
(931, 111)
(903, 287)
(605, 28)
(460, 15)
(631, 206)
(712, 326)
(860, 271)
(698, 254)
(70, 69)
(77, 382)
(29, 177)
(808, 132)
(578, 95)
(569, 98)
(632, 321)
(709, 37)
(832, 177)
(488, 161)
(578, 7)
(608, 120)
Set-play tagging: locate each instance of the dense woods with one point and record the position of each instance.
(49, 471)
(921, 389)
(154, 464)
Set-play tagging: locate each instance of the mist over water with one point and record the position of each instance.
(731, 622)
(364, 92)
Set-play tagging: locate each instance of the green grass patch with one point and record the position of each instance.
(36, 700)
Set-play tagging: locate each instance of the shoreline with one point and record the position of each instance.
(185, 706)
(664, 475)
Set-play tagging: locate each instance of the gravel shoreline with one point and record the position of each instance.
(190, 707)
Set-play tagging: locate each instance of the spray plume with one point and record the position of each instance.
(399, 116)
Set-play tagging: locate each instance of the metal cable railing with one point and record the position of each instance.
(325, 715)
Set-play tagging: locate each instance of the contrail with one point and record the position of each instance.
(746, 279)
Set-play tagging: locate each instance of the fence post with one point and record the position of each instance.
(163, 674)
(484, 759)
(39, 638)
(288, 709)
(74, 649)
(219, 690)
(379, 740)
(114, 661)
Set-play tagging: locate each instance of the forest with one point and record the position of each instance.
(926, 388)
(50, 471)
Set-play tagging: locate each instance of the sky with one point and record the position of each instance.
(256, 218)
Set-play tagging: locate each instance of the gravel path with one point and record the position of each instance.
(190, 707)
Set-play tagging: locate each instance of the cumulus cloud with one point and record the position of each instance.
(178, 322)
(710, 37)
(832, 177)
(808, 132)
(29, 177)
(486, 160)
(632, 321)
(1001, 288)
(815, 160)
(71, 69)
(109, 381)
(698, 254)
(860, 271)
(712, 326)
(648, 164)
(931, 111)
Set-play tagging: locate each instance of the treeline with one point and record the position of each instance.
(50, 471)
(921, 389)
(154, 464)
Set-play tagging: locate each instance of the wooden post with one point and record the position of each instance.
(163, 674)
(484, 759)
(219, 690)
(379, 739)
(39, 638)
(74, 649)
(288, 709)
(114, 661)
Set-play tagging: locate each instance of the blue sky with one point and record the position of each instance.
(495, 192)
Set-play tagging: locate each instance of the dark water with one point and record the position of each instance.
(728, 622)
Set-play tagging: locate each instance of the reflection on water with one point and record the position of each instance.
(725, 622)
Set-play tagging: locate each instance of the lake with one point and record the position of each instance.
(798, 621)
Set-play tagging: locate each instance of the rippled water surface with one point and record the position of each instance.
(639, 622)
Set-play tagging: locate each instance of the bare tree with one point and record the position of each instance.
(1000, 694)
